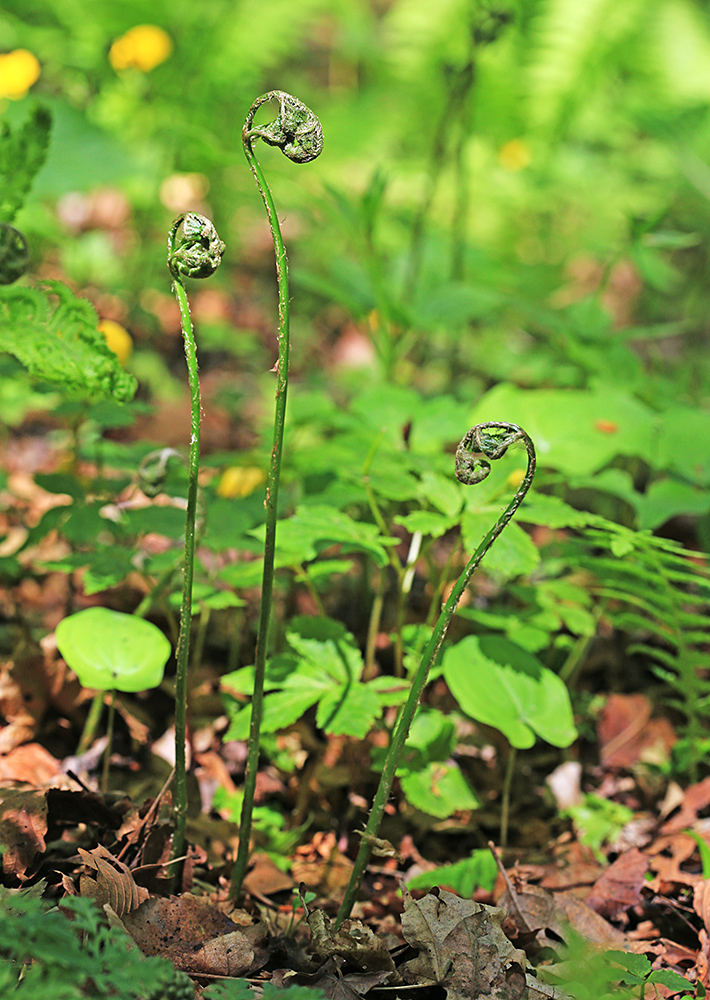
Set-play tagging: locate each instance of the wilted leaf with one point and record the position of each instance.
(462, 946)
(353, 941)
(23, 825)
(113, 884)
(194, 935)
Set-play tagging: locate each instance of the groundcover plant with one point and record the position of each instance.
(349, 696)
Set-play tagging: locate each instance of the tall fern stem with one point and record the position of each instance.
(481, 445)
(194, 250)
(298, 133)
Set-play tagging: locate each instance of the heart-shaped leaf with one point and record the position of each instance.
(109, 650)
(499, 683)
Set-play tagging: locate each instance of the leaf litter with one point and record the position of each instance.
(645, 893)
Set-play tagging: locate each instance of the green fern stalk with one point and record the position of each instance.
(481, 445)
(299, 135)
(194, 250)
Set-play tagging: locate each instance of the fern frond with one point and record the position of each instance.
(55, 335)
(22, 153)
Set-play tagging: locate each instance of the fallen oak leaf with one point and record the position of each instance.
(461, 947)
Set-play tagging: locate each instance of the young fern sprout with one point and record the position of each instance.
(195, 251)
(480, 446)
(14, 255)
(299, 135)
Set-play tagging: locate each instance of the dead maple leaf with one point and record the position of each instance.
(462, 947)
(113, 884)
(30, 764)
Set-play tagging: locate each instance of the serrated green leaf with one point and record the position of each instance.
(56, 337)
(463, 877)
(428, 522)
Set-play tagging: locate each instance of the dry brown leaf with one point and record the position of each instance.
(113, 884)
(462, 946)
(627, 733)
(696, 798)
(701, 902)
(30, 764)
(196, 936)
(619, 887)
(23, 825)
(264, 878)
(353, 941)
(533, 908)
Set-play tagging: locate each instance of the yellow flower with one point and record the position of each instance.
(118, 339)
(18, 71)
(239, 481)
(515, 155)
(143, 47)
(515, 479)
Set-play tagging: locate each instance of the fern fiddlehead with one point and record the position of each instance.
(299, 135)
(194, 250)
(14, 255)
(481, 445)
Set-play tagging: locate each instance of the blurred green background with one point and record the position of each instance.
(511, 192)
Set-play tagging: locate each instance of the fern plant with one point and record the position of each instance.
(657, 593)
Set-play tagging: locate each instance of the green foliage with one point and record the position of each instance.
(112, 651)
(589, 974)
(598, 821)
(70, 953)
(501, 684)
(324, 669)
(462, 877)
(22, 153)
(239, 989)
(55, 335)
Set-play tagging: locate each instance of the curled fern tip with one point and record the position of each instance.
(194, 248)
(14, 255)
(297, 131)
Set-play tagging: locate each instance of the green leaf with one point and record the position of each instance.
(576, 431)
(22, 153)
(666, 498)
(109, 650)
(463, 877)
(311, 529)
(56, 337)
(502, 685)
(428, 522)
(438, 789)
(514, 553)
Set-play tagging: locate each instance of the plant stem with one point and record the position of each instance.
(490, 440)
(109, 743)
(92, 722)
(505, 796)
(183, 647)
(270, 502)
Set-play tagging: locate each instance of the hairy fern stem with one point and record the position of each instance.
(298, 133)
(481, 445)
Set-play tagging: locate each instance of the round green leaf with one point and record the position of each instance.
(108, 650)
(498, 683)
